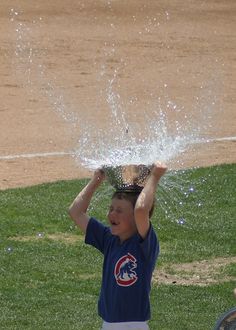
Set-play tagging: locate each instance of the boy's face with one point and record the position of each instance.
(121, 218)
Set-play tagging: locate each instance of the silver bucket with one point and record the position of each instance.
(127, 177)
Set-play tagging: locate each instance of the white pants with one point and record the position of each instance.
(125, 326)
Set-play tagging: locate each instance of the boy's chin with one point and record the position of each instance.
(114, 230)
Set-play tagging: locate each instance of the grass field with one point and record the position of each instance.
(50, 279)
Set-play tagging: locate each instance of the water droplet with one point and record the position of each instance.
(181, 221)
(191, 189)
(40, 235)
(9, 249)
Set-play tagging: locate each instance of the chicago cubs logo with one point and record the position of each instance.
(124, 270)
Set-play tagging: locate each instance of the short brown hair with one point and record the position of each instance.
(132, 197)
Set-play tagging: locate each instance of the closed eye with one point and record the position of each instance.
(118, 210)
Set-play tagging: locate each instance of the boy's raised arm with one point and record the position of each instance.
(78, 208)
(145, 200)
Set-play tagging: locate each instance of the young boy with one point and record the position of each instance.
(130, 249)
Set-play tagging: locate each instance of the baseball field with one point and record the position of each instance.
(76, 75)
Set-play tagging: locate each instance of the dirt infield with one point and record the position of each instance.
(176, 50)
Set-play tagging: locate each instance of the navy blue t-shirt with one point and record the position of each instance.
(127, 273)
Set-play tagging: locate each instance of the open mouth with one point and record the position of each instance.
(113, 223)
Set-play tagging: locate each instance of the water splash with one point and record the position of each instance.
(122, 141)
(125, 142)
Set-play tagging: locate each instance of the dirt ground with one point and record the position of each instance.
(168, 49)
(199, 273)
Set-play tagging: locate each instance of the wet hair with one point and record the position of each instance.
(132, 197)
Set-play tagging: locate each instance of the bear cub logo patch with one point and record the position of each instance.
(124, 272)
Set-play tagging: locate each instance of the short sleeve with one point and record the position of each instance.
(150, 245)
(96, 234)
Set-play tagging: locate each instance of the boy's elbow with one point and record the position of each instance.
(79, 218)
(72, 213)
(75, 214)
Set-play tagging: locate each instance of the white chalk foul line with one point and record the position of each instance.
(35, 155)
(70, 153)
(229, 138)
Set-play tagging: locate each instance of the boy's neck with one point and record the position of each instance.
(125, 237)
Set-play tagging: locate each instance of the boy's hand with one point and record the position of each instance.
(158, 169)
(99, 175)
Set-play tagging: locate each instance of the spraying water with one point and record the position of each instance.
(127, 143)
(122, 141)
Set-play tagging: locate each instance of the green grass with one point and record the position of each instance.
(51, 283)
